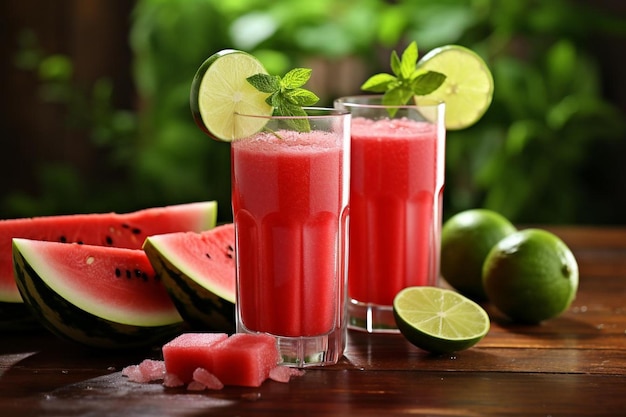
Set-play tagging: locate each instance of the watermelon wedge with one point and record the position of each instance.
(97, 296)
(198, 271)
(127, 230)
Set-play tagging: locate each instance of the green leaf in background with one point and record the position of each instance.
(549, 149)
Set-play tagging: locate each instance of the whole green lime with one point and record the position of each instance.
(531, 276)
(466, 239)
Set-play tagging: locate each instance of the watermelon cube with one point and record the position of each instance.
(245, 359)
(189, 351)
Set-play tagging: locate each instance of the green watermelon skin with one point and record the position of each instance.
(59, 313)
(127, 230)
(198, 271)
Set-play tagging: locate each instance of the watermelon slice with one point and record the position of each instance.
(95, 295)
(198, 270)
(107, 229)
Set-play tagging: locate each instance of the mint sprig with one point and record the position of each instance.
(406, 81)
(286, 94)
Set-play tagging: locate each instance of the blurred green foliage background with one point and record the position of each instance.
(549, 150)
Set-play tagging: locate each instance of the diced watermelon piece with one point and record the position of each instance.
(147, 371)
(196, 386)
(171, 381)
(190, 351)
(245, 359)
(284, 373)
(207, 379)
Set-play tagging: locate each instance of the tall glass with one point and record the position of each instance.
(290, 193)
(397, 180)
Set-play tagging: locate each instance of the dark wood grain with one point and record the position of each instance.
(574, 365)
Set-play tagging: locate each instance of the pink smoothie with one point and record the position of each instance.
(289, 205)
(395, 201)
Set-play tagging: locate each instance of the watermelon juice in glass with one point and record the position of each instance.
(397, 180)
(290, 194)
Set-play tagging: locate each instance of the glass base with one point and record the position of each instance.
(305, 351)
(371, 318)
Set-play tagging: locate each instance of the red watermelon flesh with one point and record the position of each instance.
(207, 254)
(207, 379)
(245, 359)
(212, 360)
(115, 284)
(198, 270)
(127, 230)
(241, 359)
(190, 351)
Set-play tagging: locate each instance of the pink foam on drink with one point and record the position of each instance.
(245, 359)
(190, 351)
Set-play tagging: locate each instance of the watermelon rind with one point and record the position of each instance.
(127, 230)
(64, 318)
(203, 304)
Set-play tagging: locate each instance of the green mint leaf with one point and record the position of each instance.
(407, 81)
(301, 97)
(427, 82)
(264, 83)
(287, 109)
(409, 61)
(286, 95)
(396, 65)
(275, 100)
(379, 83)
(397, 96)
(295, 78)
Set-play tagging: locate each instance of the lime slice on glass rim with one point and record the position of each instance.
(468, 88)
(219, 90)
(439, 320)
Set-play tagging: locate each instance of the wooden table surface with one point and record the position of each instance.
(574, 365)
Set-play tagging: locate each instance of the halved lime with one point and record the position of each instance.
(439, 320)
(468, 88)
(220, 90)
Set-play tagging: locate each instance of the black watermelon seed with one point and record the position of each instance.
(109, 240)
(208, 255)
(62, 239)
(128, 274)
(118, 273)
(136, 231)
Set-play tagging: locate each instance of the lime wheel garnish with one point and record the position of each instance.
(220, 90)
(468, 87)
